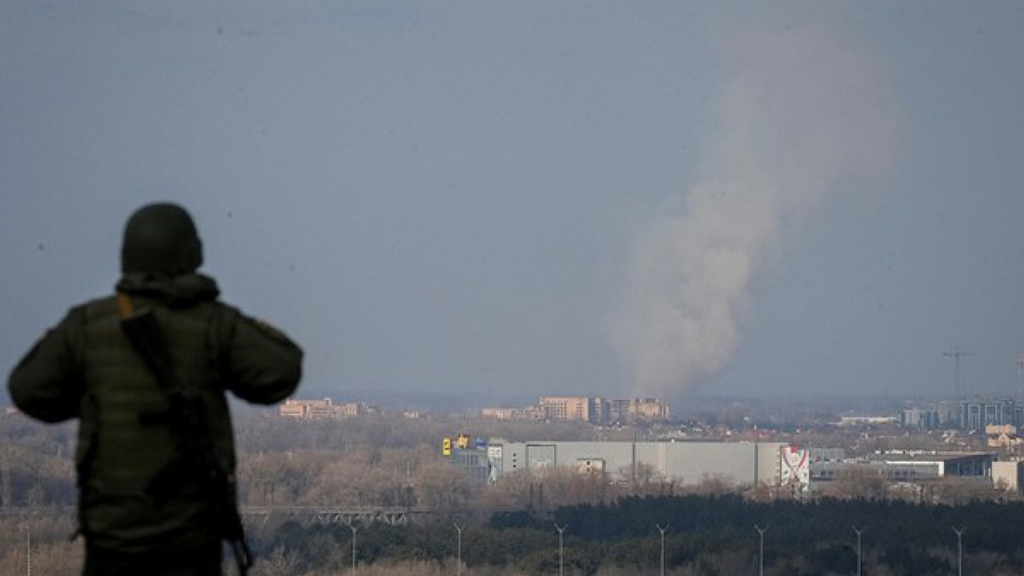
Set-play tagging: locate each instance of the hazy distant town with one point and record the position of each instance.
(908, 448)
(330, 485)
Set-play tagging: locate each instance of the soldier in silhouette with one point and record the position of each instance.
(146, 503)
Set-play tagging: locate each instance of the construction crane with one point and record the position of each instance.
(956, 355)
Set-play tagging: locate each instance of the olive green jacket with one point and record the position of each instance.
(139, 490)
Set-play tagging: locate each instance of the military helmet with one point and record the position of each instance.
(161, 238)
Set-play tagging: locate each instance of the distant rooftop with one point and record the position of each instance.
(928, 456)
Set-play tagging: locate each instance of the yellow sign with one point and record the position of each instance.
(463, 440)
(446, 447)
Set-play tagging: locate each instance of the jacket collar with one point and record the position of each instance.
(181, 290)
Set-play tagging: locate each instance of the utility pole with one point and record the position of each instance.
(959, 551)
(5, 481)
(561, 556)
(761, 532)
(662, 530)
(858, 531)
(459, 555)
(956, 355)
(352, 527)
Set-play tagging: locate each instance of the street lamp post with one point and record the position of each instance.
(352, 527)
(959, 550)
(761, 532)
(561, 556)
(858, 531)
(458, 529)
(662, 530)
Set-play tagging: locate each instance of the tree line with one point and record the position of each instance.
(703, 535)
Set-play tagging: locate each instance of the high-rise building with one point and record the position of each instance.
(980, 412)
(594, 410)
(972, 414)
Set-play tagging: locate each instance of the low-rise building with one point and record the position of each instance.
(867, 420)
(304, 409)
(1004, 437)
(501, 413)
(1009, 475)
(907, 466)
(322, 409)
(738, 463)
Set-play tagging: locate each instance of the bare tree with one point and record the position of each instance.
(279, 563)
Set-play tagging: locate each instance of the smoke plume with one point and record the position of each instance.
(801, 113)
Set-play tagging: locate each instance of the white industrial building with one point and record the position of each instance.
(737, 463)
(740, 463)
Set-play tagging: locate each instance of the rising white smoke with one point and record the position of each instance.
(802, 112)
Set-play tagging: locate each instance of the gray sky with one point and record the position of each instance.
(522, 198)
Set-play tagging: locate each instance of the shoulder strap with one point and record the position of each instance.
(144, 332)
(124, 305)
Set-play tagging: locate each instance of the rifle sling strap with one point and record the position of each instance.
(147, 338)
(142, 329)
